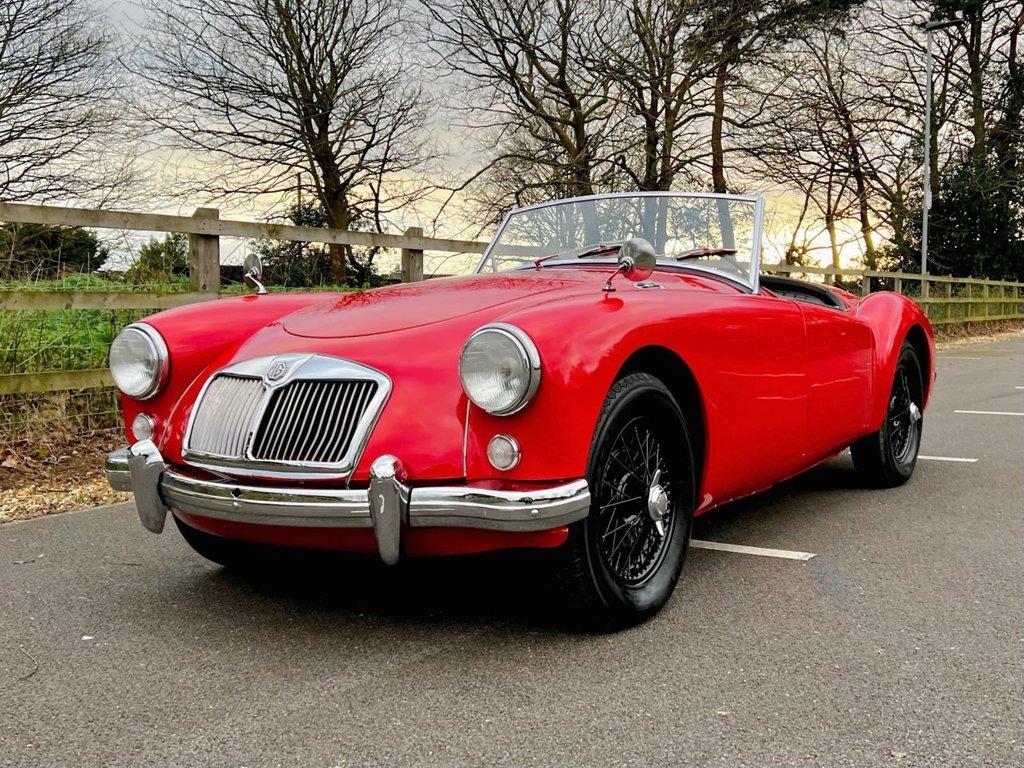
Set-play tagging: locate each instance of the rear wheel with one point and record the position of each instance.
(887, 458)
(622, 561)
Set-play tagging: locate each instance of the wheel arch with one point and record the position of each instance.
(674, 373)
(918, 340)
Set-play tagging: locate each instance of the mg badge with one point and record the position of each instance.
(277, 371)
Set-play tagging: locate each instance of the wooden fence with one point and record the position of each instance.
(947, 300)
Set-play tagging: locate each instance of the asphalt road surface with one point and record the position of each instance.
(901, 642)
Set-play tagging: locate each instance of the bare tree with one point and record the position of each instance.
(271, 91)
(744, 34)
(659, 56)
(527, 68)
(987, 42)
(59, 109)
(800, 146)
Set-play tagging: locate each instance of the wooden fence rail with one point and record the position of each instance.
(996, 299)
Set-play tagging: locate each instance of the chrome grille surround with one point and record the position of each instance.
(300, 416)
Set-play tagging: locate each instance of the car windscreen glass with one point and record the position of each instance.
(716, 232)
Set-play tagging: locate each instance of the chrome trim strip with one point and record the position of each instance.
(755, 257)
(465, 439)
(298, 368)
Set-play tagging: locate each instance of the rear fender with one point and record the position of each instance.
(894, 319)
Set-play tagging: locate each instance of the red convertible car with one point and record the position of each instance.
(616, 366)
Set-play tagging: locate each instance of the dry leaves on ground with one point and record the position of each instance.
(70, 477)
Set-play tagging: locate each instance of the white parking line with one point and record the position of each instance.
(740, 549)
(947, 458)
(957, 357)
(1018, 387)
(993, 413)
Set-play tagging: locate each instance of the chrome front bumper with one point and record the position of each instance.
(387, 506)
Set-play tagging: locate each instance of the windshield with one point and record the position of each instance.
(719, 233)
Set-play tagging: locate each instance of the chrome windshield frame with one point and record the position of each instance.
(755, 257)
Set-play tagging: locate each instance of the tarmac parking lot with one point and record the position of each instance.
(864, 628)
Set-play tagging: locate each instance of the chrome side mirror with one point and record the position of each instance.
(636, 261)
(252, 269)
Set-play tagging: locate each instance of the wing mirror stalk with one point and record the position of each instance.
(636, 262)
(252, 269)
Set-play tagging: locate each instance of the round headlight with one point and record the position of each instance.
(139, 361)
(499, 368)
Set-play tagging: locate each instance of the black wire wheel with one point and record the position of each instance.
(887, 457)
(903, 417)
(622, 562)
(634, 502)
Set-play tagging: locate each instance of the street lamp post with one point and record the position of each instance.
(929, 27)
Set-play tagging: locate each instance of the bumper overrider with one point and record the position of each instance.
(386, 506)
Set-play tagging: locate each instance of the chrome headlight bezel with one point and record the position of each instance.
(527, 356)
(157, 377)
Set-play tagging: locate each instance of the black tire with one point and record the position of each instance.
(238, 555)
(604, 587)
(887, 457)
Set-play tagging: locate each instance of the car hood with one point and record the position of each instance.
(412, 305)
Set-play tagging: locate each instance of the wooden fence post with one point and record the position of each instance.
(204, 256)
(412, 260)
(865, 283)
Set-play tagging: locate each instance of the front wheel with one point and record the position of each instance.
(622, 561)
(887, 458)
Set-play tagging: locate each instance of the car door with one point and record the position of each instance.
(750, 358)
(840, 350)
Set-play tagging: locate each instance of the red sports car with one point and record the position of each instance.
(616, 366)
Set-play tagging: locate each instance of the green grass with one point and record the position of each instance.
(77, 339)
(68, 339)
(62, 340)
(84, 281)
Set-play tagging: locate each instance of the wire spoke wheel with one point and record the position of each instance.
(621, 562)
(887, 457)
(635, 501)
(902, 417)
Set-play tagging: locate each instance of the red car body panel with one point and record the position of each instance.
(417, 542)
(782, 384)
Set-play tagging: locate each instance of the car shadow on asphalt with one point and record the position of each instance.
(510, 590)
(496, 589)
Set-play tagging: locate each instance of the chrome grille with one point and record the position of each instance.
(288, 415)
(312, 421)
(223, 419)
